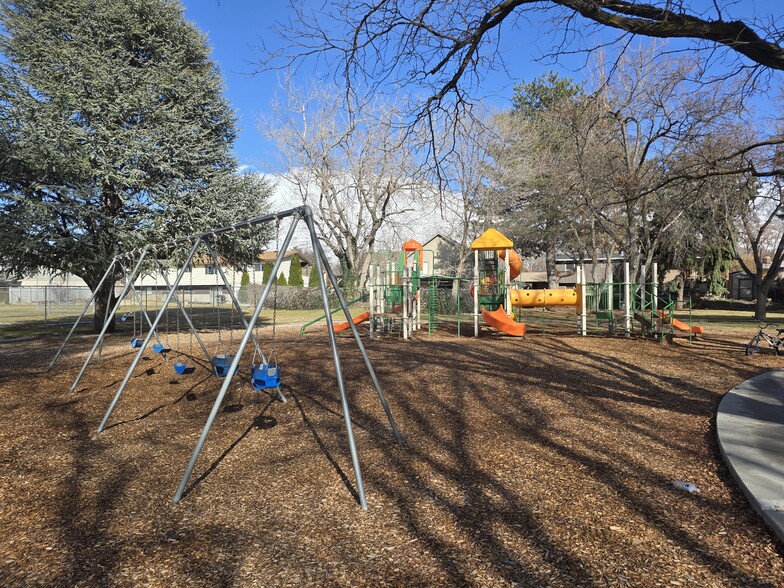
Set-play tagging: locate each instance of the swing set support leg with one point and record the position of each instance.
(320, 265)
(84, 311)
(185, 314)
(321, 257)
(234, 364)
(146, 342)
(120, 298)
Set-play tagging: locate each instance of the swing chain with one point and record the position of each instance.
(275, 296)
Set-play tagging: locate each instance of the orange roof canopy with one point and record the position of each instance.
(491, 239)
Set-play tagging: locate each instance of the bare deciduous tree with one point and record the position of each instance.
(445, 47)
(353, 170)
(629, 137)
(759, 235)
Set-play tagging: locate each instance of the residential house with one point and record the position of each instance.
(202, 278)
(440, 257)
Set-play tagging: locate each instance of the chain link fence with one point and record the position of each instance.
(28, 307)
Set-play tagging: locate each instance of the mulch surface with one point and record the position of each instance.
(543, 461)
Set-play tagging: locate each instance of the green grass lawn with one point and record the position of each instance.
(26, 320)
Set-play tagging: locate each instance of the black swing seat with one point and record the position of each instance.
(221, 364)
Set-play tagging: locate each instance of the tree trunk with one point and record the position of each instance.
(681, 292)
(104, 299)
(553, 277)
(761, 305)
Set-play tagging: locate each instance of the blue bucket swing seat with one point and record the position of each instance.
(264, 376)
(221, 364)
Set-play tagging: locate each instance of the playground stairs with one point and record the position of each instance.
(648, 325)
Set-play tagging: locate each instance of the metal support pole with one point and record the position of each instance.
(372, 298)
(476, 293)
(355, 332)
(236, 361)
(643, 293)
(146, 341)
(579, 287)
(405, 292)
(81, 315)
(106, 324)
(419, 306)
(185, 313)
(508, 276)
(583, 306)
(627, 300)
(322, 259)
(655, 286)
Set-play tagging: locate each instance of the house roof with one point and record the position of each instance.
(440, 236)
(273, 255)
(264, 256)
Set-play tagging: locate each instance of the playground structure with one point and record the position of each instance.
(225, 362)
(626, 307)
(616, 306)
(394, 290)
(496, 265)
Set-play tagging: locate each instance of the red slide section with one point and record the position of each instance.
(360, 318)
(498, 319)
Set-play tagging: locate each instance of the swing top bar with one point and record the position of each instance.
(301, 211)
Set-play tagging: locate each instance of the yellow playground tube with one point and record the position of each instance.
(531, 298)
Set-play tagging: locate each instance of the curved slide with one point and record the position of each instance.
(360, 318)
(680, 325)
(498, 319)
(515, 263)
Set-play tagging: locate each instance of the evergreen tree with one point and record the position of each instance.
(295, 272)
(314, 281)
(266, 271)
(526, 188)
(113, 133)
(242, 295)
(282, 280)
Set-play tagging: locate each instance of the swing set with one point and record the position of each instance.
(264, 370)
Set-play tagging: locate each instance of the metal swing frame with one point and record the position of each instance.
(322, 266)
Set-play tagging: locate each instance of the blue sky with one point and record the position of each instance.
(235, 29)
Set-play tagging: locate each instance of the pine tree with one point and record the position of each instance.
(282, 280)
(295, 272)
(314, 281)
(242, 295)
(114, 133)
(266, 271)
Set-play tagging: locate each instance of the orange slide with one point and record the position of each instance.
(680, 325)
(515, 263)
(360, 318)
(498, 319)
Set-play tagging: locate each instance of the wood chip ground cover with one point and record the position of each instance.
(543, 461)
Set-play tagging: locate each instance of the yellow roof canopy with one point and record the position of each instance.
(491, 239)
